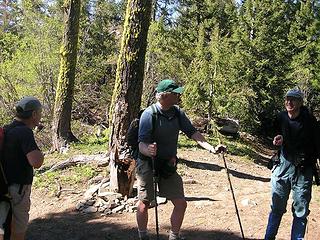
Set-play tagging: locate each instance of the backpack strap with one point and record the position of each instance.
(154, 118)
(3, 175)
(154, 114)
(178, 114)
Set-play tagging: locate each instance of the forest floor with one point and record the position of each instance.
(210, 213)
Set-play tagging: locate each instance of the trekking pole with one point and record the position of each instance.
(155, 184)
(306, 234)
(234, 199)
(231, 188)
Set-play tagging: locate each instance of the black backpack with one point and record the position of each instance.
(133, 132)
(4, 193)
(3, 180)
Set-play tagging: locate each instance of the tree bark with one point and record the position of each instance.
(61, 126)
(126, 97)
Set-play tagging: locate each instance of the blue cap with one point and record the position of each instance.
(295, 93)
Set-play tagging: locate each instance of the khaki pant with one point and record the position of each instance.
(4, 210)
(171, 187)
(20, 206)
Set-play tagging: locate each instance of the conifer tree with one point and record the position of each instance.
(304, 36)
(208, 27)
(264, 54)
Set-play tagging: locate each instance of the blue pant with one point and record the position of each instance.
(285, 178)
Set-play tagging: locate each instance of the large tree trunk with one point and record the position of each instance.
(61, 126)
(126, 97)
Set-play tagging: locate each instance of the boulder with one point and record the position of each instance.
(227, 126)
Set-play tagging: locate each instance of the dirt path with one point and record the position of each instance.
(210, 213)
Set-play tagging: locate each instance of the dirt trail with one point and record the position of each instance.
(210, 213)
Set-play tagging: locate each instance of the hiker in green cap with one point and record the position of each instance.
(159, 129)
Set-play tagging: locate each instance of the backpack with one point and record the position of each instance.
(4, 193)
(133, 131)
(3, 180)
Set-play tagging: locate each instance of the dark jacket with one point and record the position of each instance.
(300, 136)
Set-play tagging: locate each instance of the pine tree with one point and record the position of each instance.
(28, 58)
(304, 36)
(208, 26)
(264, 54)
(99, 43)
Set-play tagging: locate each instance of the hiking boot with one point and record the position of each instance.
(144, 238)
(177, 238)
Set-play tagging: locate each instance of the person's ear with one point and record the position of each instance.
(34, 114)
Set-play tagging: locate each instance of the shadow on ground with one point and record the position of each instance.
(196, 199)
(217, 168)
(71, 225)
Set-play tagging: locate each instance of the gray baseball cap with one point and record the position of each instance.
(296, 93)
(27, 104)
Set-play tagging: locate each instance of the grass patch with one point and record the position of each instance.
(240, 149)
(72, 176)
(91, 142)
(87, 148)
(185, 142)
(235, 146)
(74, 149)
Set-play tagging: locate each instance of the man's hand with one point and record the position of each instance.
(38, 128)
(152, 149)
(220, 148)
(173, 161)
(278, 140)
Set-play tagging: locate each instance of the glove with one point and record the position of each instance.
(220, 148)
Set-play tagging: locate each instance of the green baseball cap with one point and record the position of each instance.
(168, 85)
(28, 104)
